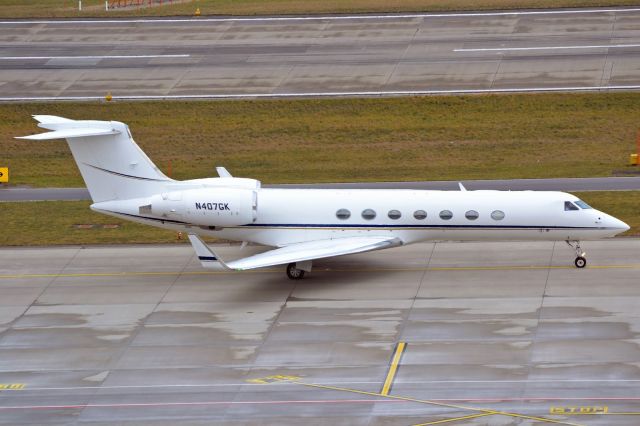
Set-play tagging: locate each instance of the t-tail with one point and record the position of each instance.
(112, 165)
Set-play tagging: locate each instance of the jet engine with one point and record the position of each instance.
(217, 207)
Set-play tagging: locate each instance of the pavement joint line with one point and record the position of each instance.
(381, 93)
(393, 368)
(472, 416)
(440, 404)
(201, 20)
(436, 268)
(195, 403)
(516, 49)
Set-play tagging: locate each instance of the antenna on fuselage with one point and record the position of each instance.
(462, 188)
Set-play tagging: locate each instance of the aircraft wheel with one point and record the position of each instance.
(580, 262)
(294, 273)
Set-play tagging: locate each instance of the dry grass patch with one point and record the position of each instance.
(337, 140)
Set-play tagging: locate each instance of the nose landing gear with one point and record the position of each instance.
(581, 260)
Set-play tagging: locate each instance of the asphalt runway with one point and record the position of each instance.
(560, 184)
(493, 333)
(577, 49)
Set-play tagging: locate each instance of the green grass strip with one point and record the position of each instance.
(343, 140)
(95, 8)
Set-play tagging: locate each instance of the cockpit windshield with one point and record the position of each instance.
(583, 205)
(568, 206)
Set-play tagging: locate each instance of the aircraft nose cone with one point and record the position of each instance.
(619, 225)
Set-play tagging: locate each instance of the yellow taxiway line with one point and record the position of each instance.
(438, 422)
(319, 270)
(393, 368)
(436, 403)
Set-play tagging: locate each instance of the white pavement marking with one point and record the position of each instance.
(321, 18)
(93, 57)
(508, 49)
(323, 94)
(404, 382)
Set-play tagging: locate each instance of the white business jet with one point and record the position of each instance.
(307, 224)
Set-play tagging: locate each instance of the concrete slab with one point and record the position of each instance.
(505, 326)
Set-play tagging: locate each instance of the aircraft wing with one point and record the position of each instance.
(297, 252)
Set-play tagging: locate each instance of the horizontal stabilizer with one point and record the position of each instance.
(71, 133)
(298, 252)
(46, 120)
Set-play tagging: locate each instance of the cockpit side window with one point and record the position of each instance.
(583, 205)
(568, 205)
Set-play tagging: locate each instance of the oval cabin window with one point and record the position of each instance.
(472, 215)
(497, 215)
(420, 214)
(394, 214)
(343, 214)
(368, 214)
(446, 214)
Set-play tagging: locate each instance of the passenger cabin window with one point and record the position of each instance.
(420, 214)
(368, 214)
(497, 215)
(582, 204)
(472, 215)
(343, 214)
(446, 215)
(568, 205)
(394, 214)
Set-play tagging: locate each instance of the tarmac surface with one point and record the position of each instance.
(559, 184)
(577, 49)
(486, 333)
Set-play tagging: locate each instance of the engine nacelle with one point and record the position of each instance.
(217, 207)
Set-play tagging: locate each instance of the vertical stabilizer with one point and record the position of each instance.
(112, 165)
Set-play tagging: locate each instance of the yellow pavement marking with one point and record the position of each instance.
(271, 379)
(12, 386)
(436, 403)
(437, 422)
(393, 368)
(573, 410)
(260, 271)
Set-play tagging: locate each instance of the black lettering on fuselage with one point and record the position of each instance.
(213, 206)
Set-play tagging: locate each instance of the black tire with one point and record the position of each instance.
(294, 273)
(580, 262)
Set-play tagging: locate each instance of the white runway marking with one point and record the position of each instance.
(323, 94)
(515, 49)
(321, 18)
(92, 57)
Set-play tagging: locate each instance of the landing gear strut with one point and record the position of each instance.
(581, 260)
(294, 273)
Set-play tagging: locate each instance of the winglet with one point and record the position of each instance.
(207, 257)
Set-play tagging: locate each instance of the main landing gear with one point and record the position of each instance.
(294, 273)
(581, 260)
(296, 270)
